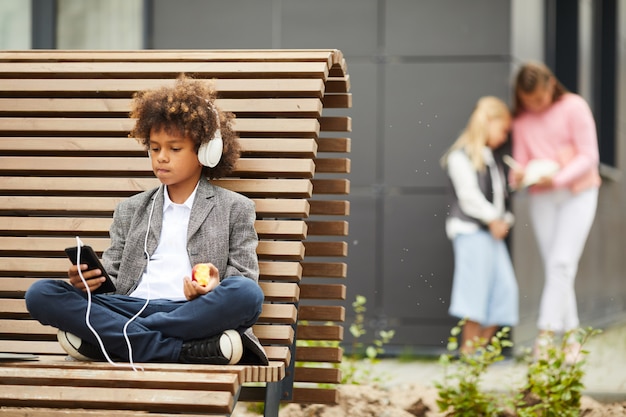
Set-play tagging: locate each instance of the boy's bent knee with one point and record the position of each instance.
(246, 289)
(39, 294)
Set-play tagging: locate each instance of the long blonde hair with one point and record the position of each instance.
(474, 136)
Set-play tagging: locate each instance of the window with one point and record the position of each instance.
(97, 24)
(15, 24)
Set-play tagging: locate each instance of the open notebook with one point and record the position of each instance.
(535, 169)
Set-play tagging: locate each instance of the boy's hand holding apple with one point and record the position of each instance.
(204, 278)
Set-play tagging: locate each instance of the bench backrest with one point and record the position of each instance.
(66, 161)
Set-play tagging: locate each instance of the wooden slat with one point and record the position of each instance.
(322, 291)
(341, 145)
(329, 56)
(338, 84)
(277, 229)
(321, 313)
(325, 269)
(280, 291)
(327, 228)
(265, 207)
(10, 327)
(279, 313)
(122, 126)
(326, 248)
(17, 226)
(337, 101)
(72, 107)
(326, 332)
(165, 69)
(333, 166)
(51, 267)
(336, 124)
(315, 395)
(118, 378)
(34, 347)
(272, 167)
(115, 146)
(282, 250)
(126, 87)
(116, 398)
(274, 334)
(55, 412)
(331, 186)
(318, 375)
(330, 207)
(319, 354)
(283, 271)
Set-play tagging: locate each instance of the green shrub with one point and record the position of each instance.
(553, 387)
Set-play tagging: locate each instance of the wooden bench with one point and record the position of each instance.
(66, 161)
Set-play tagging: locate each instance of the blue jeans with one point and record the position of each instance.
(158, 334)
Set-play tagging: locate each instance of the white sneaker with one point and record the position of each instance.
(78, 348)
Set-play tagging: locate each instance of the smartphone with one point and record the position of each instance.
(89, 257)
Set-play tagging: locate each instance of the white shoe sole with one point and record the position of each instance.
(231, 346)
(70, 343)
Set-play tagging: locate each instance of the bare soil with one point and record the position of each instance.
(409, 400)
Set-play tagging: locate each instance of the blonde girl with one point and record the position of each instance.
(484, 288)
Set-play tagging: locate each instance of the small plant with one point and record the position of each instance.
(352, 370)
(460, 393)
(554, 386)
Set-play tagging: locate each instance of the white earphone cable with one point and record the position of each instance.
(88, 312)
(89, 302)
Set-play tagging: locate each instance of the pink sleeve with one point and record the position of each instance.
(583, 153)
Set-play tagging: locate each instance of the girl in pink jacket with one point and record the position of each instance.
(554, 126)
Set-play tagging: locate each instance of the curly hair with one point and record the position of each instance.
(187, 108)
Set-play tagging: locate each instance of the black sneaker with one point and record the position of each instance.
(78, 348)
(223, 349)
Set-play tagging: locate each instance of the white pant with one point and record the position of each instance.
(561, 221)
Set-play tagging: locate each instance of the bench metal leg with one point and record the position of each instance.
(273, 395)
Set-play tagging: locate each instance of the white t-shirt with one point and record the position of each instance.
(163, 277)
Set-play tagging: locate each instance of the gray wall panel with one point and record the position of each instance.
(416, 282)
(428, 105)
(447, 27)
(349, 25)
(363, 241)
(199, 24)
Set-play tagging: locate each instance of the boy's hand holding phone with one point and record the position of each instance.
(97, 278)
(94, 278)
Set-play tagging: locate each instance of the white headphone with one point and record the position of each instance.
(210, 153)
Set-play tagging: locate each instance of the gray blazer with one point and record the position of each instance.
(221, 231)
